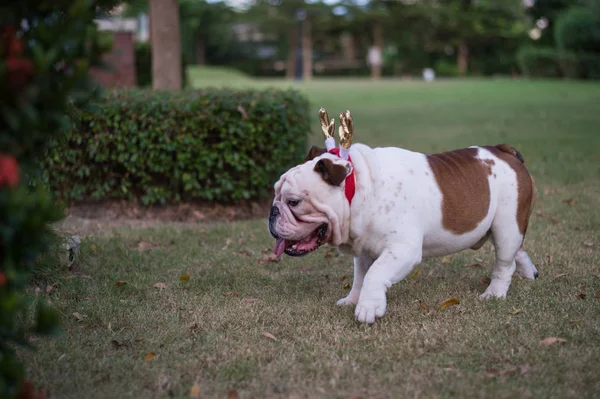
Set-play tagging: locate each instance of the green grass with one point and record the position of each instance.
(208, 332)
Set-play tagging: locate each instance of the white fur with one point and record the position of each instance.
(395, 221)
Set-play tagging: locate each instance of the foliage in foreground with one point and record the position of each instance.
(43, 68)
(161, 147)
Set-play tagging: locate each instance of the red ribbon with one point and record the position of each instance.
(350, 182)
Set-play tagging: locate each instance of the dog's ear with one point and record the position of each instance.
(314, 152)
(332, 173)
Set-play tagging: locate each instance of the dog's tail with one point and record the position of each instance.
(511, 150)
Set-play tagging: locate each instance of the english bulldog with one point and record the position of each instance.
(390, 208)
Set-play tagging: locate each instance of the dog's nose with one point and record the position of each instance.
(274, 213)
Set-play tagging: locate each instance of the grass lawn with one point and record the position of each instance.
(271, 329)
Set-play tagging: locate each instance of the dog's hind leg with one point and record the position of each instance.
(507, 241)
(525, 266)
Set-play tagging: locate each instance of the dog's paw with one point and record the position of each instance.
(494, 291)
(351, 299)
(370, 306)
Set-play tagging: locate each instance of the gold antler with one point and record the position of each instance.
(346, 130)
(327, 127)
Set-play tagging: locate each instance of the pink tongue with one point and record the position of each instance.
(279, 247)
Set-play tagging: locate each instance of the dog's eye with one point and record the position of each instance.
(293, 203)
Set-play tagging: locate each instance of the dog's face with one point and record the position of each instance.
(310, 207)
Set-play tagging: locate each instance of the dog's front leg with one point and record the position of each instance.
(392, 266)
(361, 265)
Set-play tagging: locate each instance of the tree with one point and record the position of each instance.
(166, 44)
(204, 25)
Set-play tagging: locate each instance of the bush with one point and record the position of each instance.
(445, 68)
(164, 147)
(539, 62)
(40, 76)
(143, 66)
(578, 30)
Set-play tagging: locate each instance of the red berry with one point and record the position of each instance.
(10, 174)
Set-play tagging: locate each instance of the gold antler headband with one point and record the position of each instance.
(346, 131)
(328, 128)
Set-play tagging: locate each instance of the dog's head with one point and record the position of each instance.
(310, 207)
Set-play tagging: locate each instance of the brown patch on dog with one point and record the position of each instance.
(525, 185)
(488, 165)
(313, 153)
(462, 179)
(332, 173)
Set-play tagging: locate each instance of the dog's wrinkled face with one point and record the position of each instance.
(309, 206)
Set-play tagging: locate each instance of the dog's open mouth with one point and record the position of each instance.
(302, 247)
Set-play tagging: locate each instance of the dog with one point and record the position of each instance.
(390, 208)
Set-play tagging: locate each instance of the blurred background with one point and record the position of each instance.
(302, 40)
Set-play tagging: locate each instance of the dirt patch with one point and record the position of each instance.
(97, 217)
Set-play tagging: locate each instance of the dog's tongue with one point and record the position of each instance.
(279, 247)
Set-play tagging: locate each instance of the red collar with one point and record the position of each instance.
(350, 187)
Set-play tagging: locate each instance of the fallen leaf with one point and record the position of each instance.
(160, 286)
(555, 220)
(327, 255)
(546, 190)
(250, 300)
(270, 258)
(570, 201)
(414, 274)
(597, 275)
(524, 368)
(549, 259)
(227, 244)
(93, 247)
(552, 340)
(580, 320)
(598, 295)
(475, 266)
(424, 307)
(150, 356)
(120, 283)
(588, 243)
(446, 259)
(195, 391)
(343, 278)
(485, 281)
(515, 311)
(79, 316)
(539, 212)
(578, 228)
(560, 275)
(269, 335)
(145, 246)
(347, 286)
(448, 302)
(479, 260)
(240, 241)
(582, 295)
(232, 394)
(184, 278)
(49, 288)
(231, 293)
(118, 345)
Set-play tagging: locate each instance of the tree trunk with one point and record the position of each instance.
(200, 51)
(166, 45)
(463, 58)
(378, 44)
(306, 49)
(290, 70)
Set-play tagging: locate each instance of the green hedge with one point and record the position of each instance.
(163, 147)
(547, 62)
